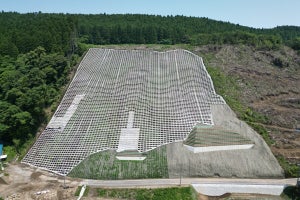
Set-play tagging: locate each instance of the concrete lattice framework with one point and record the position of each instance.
(155, 98)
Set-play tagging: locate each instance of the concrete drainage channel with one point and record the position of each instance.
(218, 189)
(81, 192)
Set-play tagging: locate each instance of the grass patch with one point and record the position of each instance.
(86, 192)
(175, 193)
(104, 165)
(290, 170)
(10, 151)
(263, 132)
(25, 147)
(226, 87)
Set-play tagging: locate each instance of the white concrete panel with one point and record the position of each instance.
(129, 139)
(138, 158)
(130, 119)
(218, 148)
(218, 189)
(61, 122)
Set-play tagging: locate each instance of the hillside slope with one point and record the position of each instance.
(162, 96)
(266, 81)
(269, 84)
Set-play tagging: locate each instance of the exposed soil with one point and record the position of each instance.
(24, 182)
(268, 88)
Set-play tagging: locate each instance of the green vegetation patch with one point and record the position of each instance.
(105, 165)
(290, 170)
(226, 87)
(262, 131)
(180, 193)
(291, 192)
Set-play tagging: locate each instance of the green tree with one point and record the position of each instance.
(8, 48)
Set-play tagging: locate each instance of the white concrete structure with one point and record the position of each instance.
(83, 188)
(61, 122)
(136, 158)
(129, 138)
(130, 119)
(218, 189)
(218, 148)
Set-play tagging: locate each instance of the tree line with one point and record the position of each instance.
(60, 33)
(150, 29)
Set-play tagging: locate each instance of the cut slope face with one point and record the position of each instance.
(145, 97)
(257, 162)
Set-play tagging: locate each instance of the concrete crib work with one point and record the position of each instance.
(133, 101)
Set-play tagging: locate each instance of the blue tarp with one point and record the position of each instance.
(1, 146)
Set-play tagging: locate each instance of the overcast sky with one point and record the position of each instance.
(253, 13)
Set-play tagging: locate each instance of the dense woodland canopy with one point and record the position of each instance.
(37, 51)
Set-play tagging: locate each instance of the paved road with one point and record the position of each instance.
(25, 181)
(154, 183)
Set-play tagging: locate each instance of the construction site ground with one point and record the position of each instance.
(23, 182)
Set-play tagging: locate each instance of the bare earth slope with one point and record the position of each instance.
(270, 84)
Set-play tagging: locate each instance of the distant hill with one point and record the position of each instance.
(21, 33)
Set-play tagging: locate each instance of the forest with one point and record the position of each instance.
(39, 50)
